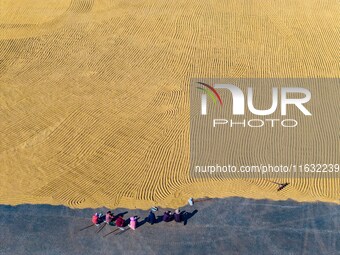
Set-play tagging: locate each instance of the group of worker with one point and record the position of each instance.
(119, 221)
(110, 218)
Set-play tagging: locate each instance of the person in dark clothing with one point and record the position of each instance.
(167, 216)
(177, 215)
(151, 218)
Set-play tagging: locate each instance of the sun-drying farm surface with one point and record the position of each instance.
(94, 95)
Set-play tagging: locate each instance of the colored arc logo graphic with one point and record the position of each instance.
(211, 92)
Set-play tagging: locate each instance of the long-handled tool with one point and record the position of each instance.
(111, 232)
(86, 227)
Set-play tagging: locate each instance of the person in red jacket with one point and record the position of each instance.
(95, 219)
(120, 222)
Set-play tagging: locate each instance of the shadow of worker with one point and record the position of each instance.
(120, 214)
(187, 215)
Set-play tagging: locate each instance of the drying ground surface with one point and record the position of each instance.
(219, 226)
(94, 96)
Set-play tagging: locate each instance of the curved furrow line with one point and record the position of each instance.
(81, 6)
(97, 98)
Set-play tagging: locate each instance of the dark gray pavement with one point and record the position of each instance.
(219, 226)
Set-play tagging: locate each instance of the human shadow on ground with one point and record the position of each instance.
(156, 220)
(141, 223)
(159, 219)
(187, 215)
(119, 214)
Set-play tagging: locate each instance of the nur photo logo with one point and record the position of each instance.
(289, 97)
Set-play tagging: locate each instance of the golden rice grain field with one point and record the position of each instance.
(94, 94)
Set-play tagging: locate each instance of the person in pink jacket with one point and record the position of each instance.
(109, 217)
(133, 223)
